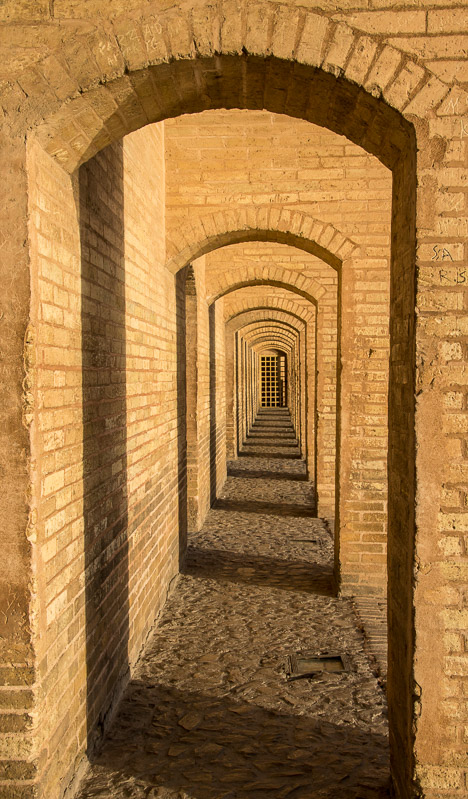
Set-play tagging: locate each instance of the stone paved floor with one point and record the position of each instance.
(209, 713)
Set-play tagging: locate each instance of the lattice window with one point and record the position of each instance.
(273, 385)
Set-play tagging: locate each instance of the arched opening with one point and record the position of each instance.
(304, 410)
(244, 313)
(227, 81)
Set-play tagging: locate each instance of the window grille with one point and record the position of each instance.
(273, 373)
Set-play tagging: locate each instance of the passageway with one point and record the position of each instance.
(189, 187)
(209, 712)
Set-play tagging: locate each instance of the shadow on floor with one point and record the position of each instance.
(239, 567)
(260, 454)
(252, 444)
(267, 433)
(272, 435)
(168, 743)
(266, 508)
(265, 474)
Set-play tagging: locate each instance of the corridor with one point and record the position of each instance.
(209, 712)
(210, 209)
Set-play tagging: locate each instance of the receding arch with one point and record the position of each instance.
(318, 440)
(294, 289)
(268, 309)
(268, 338)
(251, 337)
(269, 335)
(304, 411)
(270, 324)
(275, 327)
(285, 226)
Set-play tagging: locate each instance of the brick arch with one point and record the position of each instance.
(274, 331)
(303, 323)
(266, 341)
(254, 323)
(249, 322)
(167, 62)
(292, 287)
(264, 309)
(270, 324)
(282, 348)
(318, 374)
(266, 315)
(273, 326)
(287, 307)
(288, 68)
(283, 226)
(226, 57)
(267, 333)
(260, 334)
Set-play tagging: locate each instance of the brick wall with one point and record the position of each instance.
(86, 75)
(217, 398)
(220, 159)
(236, 158)
(206, 403)
(203, 393)
(106, 435)
(189, 335)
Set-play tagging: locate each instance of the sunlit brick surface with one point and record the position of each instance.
(336, 130)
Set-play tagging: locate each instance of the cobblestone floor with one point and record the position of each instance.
(209, 713)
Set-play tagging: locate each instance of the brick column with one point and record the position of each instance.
(191, 350)
(361, 560)
(18, 392)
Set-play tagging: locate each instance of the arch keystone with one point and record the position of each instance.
(258, 19)
(285, 31)
(230, 31)
(312, 39)
(205, 29)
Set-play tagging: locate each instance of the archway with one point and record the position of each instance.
(312, 442)
(384, 133)
(254, 313)
(257, 337)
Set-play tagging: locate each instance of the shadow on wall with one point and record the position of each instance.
(108, 521)
(213, 431)
(105, 499)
